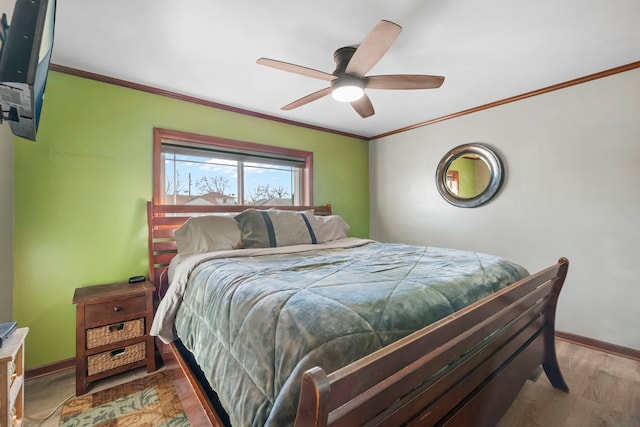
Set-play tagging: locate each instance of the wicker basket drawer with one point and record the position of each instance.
(112, 359)
(115, 332)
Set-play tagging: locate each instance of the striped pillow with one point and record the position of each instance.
(273, 227)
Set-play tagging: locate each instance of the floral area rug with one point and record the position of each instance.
(147, 401)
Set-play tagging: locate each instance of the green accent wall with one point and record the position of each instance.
(466, 177)
(81, 193)
(473, 176)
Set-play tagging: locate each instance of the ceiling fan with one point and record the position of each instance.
(349, 80)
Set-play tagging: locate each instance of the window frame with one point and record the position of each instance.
(160, 134)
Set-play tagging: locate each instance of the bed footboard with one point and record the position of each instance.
(465, 369)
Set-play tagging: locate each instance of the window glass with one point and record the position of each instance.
(201, 170)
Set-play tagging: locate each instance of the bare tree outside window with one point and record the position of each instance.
(174, 186)
(264, 193)
(213, 184)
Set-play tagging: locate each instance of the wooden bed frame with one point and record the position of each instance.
(465, 369)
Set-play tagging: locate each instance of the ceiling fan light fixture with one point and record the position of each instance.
(347, 93)
(347, 88)
(349, 79)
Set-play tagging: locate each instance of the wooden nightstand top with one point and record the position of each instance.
(90, 294)
(11, 346)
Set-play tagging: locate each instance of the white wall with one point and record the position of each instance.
(572, 189)
(6, 223)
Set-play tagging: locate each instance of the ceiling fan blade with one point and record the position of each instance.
(298, 69)
(307, 99)
(404, 81)
(363, 106)
(373, 48)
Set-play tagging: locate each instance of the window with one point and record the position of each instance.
(205, 170)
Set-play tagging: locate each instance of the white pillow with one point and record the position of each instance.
(208, 233)
(330, 227)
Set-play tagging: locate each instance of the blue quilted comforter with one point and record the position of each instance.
(256, 323)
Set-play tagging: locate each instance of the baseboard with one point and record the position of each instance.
(49, 369)
(617, 350)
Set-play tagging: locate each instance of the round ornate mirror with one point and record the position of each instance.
(469, 175)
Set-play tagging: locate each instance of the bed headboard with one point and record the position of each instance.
(163, 220)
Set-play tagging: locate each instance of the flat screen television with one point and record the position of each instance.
(25, 54)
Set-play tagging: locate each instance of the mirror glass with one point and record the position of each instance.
(469, 175)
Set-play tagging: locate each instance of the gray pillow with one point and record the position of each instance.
(330, 227)
(207, 233)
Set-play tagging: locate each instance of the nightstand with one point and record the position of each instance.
(112, 330)
(12, 379)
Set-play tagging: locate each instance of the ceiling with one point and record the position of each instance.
(488, 51)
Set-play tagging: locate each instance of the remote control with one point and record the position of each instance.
(137, 279)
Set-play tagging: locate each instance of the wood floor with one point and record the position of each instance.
(605, 391)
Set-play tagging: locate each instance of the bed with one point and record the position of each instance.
(320, 329)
